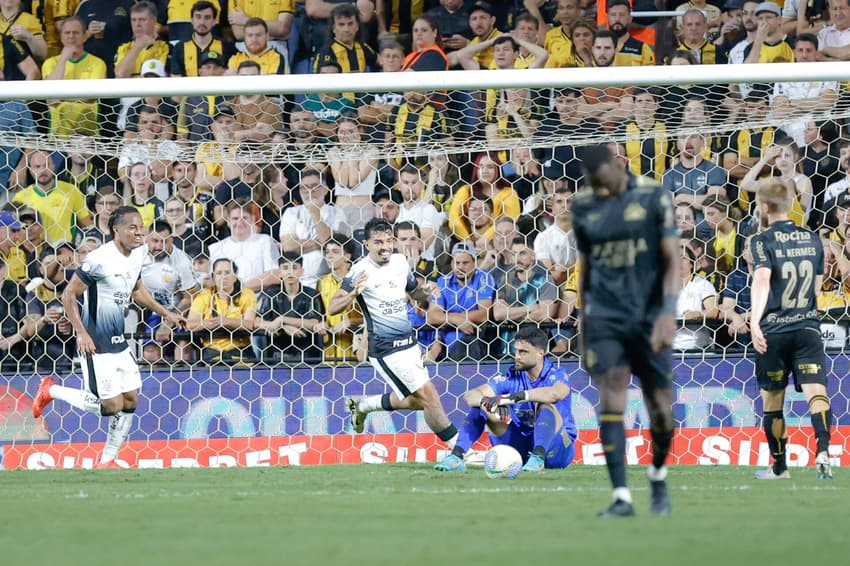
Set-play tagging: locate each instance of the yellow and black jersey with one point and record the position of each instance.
(560, 47)
(779, 52)
(186, 55)
(648, 151)
(158, 50)
(355, 59)
(485, 57)
(270, 61)
(268, 10)
(24, 19)
(400, 14)
(55, 11)
(409, 125)
(750, 143)
(706, 54)
(634, 53)
(12, 54)
(177, 16)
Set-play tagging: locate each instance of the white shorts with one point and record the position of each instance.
(110, 375)
(402, 370)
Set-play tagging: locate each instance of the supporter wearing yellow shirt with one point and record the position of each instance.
(257, 49)
(179, 15)
(339, 341)
(482, 22)
(24, 27)
(61, 205)
(73, 116)
(144, 46)
(558, 40)
(278, 15)
(55, 11)
(631, 52)
(489, 183)
(12, 256)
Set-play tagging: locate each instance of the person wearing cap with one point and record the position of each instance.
(461, 307)
(257, 49)
(482, 22)
(188, 56)
(144, 45)
(631, 52)
(195, 113)
(13, 257)
(73, 116)
(769, 44)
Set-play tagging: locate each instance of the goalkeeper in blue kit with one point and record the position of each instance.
(529, 408)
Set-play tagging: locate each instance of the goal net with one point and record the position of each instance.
(268, 181)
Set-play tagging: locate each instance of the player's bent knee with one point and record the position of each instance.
(111, 406)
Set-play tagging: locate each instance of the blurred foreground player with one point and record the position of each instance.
(629, 264)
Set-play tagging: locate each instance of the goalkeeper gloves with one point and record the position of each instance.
(490, 404)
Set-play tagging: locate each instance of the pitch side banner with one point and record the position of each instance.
(261, 405)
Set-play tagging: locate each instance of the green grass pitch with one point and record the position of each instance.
(407, 514)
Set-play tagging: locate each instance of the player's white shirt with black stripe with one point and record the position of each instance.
(111, 277)
(384, 302)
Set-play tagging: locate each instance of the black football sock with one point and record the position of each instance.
(822, 423)
(613, 436)
(774, 430)
(661, 441)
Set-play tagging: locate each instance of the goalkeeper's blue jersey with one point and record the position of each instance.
(523, 414)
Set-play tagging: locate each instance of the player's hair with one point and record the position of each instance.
(118, 216)
(144, 6)
(534, 336)
(202, 5)
(237, 285)
(595, 156)
(377, 226)
(775, 194)
(291, 257)
(407, 225)
(161, 226)
(256, 22)
(344, 242)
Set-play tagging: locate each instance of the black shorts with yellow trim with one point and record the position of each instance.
(799, 352)
(607, 344)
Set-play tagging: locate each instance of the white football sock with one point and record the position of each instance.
(119, 430)
(452, 441)
(656, 474)
(623, 494)
(369, 404)
(76, 398)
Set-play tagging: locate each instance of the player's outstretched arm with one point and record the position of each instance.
(75, 288)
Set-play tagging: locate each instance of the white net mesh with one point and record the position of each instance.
(282, 185)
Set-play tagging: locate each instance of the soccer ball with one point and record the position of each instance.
(502, 461)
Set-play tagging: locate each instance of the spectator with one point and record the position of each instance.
(693, 178)
(182, 175)
(649, 159)
(216, 159)
(496, 257)
(414, 123)
(188, 21)
(695, 114)
(23, 27)
(487, 182)
(295, 317)
(277, 198)
(558, 41)
(737, 54)
(344, 49)
(612, 104)
(524, 171)
(73, 116)
(152, 146)
(783, 157)
(735, 301)
(747, 145)
(377, 107)
(11, 254)
(166, 107)
(711, 15)
(452, 19)
(327, 107)
(144, 46)
(715, 97)
(832, 300)
(15, 118)
(80, 168)
(793, 99)
(33, 239)
(631, 52)
(387, 205)
(17, 62)
(258, 117)
(812, 19)
(306, 227)
(578, 51)
(341, 328)
(479, 218)
(62, 206)
(841, 185)
(834, 39)
(167, 273)
(696, 24)
(527, 295)
(505, 54)
(354, 166)
(106, 200)
(686, 218)
(46, 329)
(482, 23)
(393, 18)
(12, 310)
(463, 305)
(409, 243)
(555, 247)
(107, 28)
(427, 54)
(726, 243)
(222, 315)
(697, 302)
(820, 164)
(195, 113)
(255, 254)
(567, 121)
(769, 43)
(416, 209)
(314, 30)
(443, 179)
(705, 265)
(258, 49)
(278, 16)
(141, 195)
(186, 236)
(241, 186)
(513, 115)
(302, 140)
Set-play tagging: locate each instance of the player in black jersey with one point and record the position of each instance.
(787, 278)
(629, 265)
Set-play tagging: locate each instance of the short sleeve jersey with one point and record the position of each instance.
(111, 277)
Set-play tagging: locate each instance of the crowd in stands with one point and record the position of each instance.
(252, 250)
